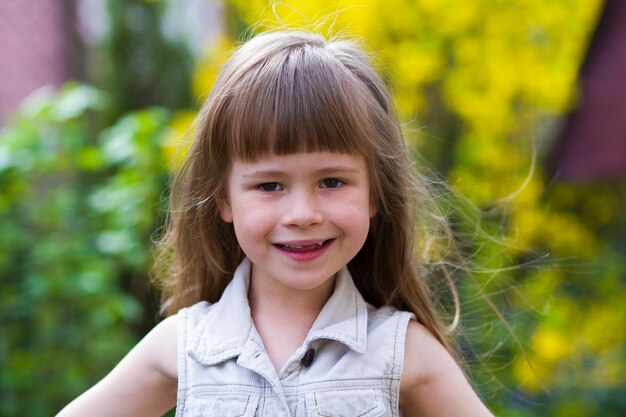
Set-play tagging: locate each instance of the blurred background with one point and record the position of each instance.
(520, 105)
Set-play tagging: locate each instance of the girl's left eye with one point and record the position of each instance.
(331, 183)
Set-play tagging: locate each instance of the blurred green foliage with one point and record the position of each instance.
(138, 62)
(77, 209)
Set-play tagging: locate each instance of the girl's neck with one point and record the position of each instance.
(283, 320)
(268, 301)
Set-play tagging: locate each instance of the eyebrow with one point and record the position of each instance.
(263, 173)
(324, 171)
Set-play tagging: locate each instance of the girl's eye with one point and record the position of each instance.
(270, 186)
(331, 183)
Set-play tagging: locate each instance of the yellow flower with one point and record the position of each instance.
(551, 346)
(528, 380)
(178, 139)
(208, 67)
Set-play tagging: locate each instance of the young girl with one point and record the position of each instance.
(291, 280)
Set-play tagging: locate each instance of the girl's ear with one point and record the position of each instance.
(373, 208)
(226, 212)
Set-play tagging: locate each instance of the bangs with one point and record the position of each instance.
(298, 100)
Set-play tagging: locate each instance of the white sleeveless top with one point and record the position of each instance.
(349, 364)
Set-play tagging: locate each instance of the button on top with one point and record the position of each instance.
(308, 357)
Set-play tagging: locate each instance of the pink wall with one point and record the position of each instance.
(31, 49)
(593, 145)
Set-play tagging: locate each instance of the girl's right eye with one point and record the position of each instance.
(270, 186)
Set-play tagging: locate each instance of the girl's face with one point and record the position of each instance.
(299, 218)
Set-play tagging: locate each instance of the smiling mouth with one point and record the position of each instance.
(304, 248)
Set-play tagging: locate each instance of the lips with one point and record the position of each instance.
(304, 250)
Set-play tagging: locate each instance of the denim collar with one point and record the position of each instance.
(227, 330)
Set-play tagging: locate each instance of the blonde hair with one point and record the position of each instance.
(284, 93)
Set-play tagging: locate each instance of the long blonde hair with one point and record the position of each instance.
(284, 93)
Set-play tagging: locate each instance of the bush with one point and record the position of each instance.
(77, 209)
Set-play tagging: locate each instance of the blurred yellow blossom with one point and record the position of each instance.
(551, 345)
(208, 67)
(179, 138)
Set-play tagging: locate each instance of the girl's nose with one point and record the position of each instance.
(302, 210)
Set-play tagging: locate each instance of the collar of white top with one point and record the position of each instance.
(227, 326)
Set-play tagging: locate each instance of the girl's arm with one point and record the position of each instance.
(432, 384)
(144, 383)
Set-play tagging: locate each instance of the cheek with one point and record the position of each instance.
(363, 227)
(252, 220)
(353, 219)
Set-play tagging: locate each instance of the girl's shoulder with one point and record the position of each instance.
(161, 346)
(432, 383)
(421, 351)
